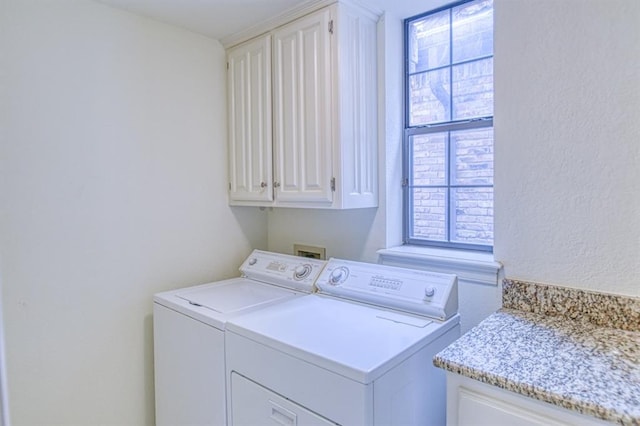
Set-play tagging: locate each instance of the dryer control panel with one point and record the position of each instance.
(419, 292)
(295, 272)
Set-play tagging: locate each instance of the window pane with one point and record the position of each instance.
(472, 31)
(429, 42)
(429, 159)
(472, 215)
(473, 89)
(429, 98)
(449, 154)
(472, 152)
(429, 213)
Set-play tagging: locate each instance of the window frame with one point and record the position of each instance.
(416, 130)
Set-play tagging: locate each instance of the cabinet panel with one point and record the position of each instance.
(356, 115)
(472, 403)
(302, 99)
(250, 121)
(473, 406)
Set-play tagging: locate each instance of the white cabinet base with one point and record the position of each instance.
(472, 403)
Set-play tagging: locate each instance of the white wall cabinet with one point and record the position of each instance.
(472, 403)
(303, 113)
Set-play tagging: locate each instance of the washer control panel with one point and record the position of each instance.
(299, 273)
(419, 292)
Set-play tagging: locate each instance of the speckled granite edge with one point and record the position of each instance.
(605, 310)
(576, 365)
(525, 389)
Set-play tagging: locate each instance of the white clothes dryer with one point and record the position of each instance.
(189, 333)
(357, 353)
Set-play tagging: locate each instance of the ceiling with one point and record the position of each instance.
(222, 19)
(213, 18)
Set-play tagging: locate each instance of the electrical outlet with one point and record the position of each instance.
(312, 252)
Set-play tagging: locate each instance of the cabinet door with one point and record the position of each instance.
(356, 97)
(472, 403)
(250, 128)
(302, 110)
(473, 406)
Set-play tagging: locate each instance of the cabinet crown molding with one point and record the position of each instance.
(292, 14)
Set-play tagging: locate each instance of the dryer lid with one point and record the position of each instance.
(357, 341)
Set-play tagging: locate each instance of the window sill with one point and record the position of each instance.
(474, 267)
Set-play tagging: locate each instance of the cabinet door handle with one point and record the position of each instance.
(276, 184)
(263, 184)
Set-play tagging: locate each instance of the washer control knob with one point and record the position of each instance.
(338, 275)
(302, 271)
(429, 292)
(252, 261)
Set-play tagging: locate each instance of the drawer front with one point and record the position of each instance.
(253, 404)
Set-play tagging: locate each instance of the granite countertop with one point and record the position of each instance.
(568, 359)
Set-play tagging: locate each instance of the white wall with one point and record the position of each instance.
(113, 184)
(345, 234)
(567, 208)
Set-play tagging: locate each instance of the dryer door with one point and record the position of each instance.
(252, 404)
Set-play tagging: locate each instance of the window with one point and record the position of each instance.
(448, 140)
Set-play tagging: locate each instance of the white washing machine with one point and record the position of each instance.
(189, 333)
(359, 352)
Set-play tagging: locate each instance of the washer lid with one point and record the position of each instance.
(214, 303)
(354, 340)
(231, 296)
